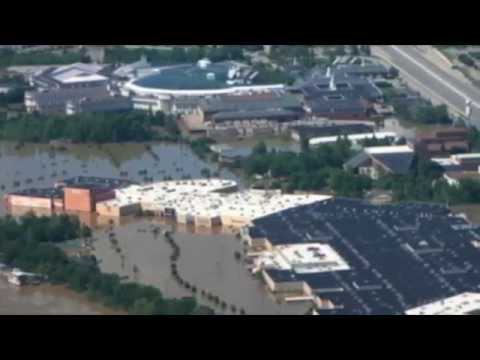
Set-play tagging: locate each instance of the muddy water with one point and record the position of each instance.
(46, 300)
(38, 166)
(207, 260)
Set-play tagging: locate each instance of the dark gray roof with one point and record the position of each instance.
(366, 69)
(337, 106)
(269, 114)
(58, 97)
(109, 104)
(398, 163)
(354, 87)
(400, 256)
(40, 193)
(250, 103)
(92, 182)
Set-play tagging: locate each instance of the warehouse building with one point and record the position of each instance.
(399, 257)
(202, 203)
(81, 193)
(51, 199)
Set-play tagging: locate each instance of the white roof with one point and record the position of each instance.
(445, 161)
(461, 304)
(389, 149)
(198, 198)
(303, 258)
(353, 137)
(78, 73)
(466, 156)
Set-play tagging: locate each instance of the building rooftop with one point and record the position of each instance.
(92, 182)
(306, 131)
(303, 258)
(59, 97)
(353, 137)
(321, 83)
(202, 75)
(74, 73)
(400, 256)
(461, 304)
(208, 198)
(40, 193)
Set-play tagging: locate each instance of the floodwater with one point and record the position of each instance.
(46, 300)
(206, 260)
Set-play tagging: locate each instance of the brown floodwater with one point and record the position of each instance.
(47, 300)
(207, 260)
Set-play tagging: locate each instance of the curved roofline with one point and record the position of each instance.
(141, 90)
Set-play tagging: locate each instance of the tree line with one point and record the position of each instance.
(29, 244)
(321, 169)
(176, 55)
(89, 127)
(9, 57)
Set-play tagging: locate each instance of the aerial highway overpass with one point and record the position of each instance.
(432, 80)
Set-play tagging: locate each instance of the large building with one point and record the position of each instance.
(81, 193)
(270, 106)
(202, 203)
(335, 94)
(201, 79)
(385, 259)
(72, 76)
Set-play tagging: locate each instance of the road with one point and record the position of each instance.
(431, 80)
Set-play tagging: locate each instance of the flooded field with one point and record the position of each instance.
(207, 260)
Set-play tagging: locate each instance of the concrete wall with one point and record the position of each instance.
(236, 221)
(285, 287)
(29, 201)
(104, 209)
(103, 195)
(78, 200)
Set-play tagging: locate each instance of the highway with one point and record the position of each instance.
(431, 80)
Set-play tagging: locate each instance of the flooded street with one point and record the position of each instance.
(206, 260)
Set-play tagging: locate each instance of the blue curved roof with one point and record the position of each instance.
(187, 77)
